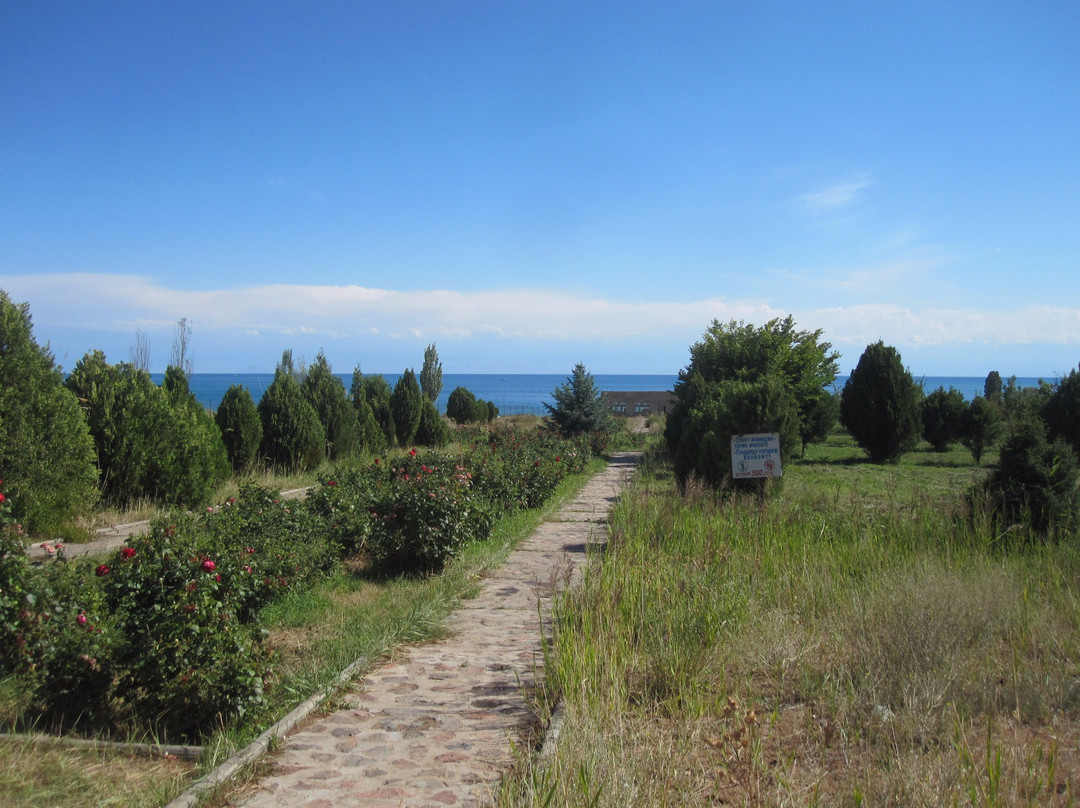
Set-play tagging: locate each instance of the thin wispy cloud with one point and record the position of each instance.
(835, 197)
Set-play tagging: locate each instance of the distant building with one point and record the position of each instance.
(628, 404)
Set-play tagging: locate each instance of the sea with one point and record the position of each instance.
(527, 393)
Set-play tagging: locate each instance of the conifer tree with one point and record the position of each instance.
(405, 404)
(46, 451)
(880, 404)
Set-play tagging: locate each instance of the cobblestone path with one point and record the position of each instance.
(436, 727)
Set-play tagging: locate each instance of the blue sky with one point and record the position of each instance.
(533, 184)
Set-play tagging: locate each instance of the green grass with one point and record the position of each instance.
(855, 640)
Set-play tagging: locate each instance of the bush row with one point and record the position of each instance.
(165, 634)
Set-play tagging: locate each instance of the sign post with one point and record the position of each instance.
(755, 456)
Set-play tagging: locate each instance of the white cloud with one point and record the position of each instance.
(834, 197)
(897, 325)
(123, 304)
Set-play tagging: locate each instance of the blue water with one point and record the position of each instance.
(526, 393)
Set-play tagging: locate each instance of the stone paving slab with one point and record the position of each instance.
(437, 726)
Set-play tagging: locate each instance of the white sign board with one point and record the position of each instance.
(755, 456)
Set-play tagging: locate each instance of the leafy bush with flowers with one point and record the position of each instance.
(344, 503)
(424, 514)
(164, 633)
(69, 657)
(17, 597)
(519, 469)
(184, 659)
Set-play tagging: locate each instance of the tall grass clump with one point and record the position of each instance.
(855, 641)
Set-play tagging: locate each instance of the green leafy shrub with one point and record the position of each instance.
(191, 459)
(880, 404)
(46, 451)
(818, 419)
(425, 515)
(941, 414)
(241, 429)
(18, 598)
(72, 673)
(185, 661)
(345, 501)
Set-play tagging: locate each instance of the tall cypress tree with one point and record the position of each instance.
(405, 404)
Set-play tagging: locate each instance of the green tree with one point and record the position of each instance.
(980, 426)
(818, 419)
(1019, 404)
(880, 404)
(326, 393)
(241, 429)
(46, 451)
(372, 436)
(431, 374)
(152, 442)
(1061, 410)
(784, 374)
(1037, 482)
(293, 436)
(579, 407)
(377, 392)
(432, 430)
(461, 406)
(191, 460)
(405, 404)
(992, 387)
(941, 414)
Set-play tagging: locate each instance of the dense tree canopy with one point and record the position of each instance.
(326, 393)
(406, 406)
(293, 435)
(880, 404)
(942, 415)
(747, 379)
(46, 451)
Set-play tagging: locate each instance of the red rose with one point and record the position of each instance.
(81, 619)
(102, 570)
(412, 453)
(128, 552)
(208, 565)
(2, 497)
